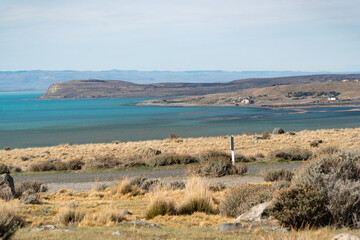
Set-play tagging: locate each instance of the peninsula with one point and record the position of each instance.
(94, 88)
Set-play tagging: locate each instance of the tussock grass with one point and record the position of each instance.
(70, 216)
(125, 188)
(10, 221)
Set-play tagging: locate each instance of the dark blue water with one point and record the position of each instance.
(25, 121)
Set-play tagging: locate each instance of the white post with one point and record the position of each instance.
(232, 150)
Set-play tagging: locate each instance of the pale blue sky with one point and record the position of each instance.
(240, 35)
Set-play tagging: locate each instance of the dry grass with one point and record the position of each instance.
(341, 138)
(125, 188)
(10, 220)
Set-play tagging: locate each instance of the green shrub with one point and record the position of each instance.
(4, 168)
(300, 206)
(216, 167)
(266, 135)
(75, 164)
(138, 181)
(278, 175)
(160, 207)
(32, 185)
(242, 198)
(215, 155)
(337, 176)
(10, 222)
(30, 198)
(164, 160)
(291, 154)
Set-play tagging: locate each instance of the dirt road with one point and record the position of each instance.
(84, 181)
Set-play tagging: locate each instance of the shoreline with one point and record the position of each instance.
(283, 106)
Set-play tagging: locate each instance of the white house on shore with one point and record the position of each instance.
(332, 98)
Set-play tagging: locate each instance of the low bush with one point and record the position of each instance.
(291, 154)
(266, 135)
(75, 164)
(138, 181)
(30, 198)
(100, 162)
(216, 187)
(216, 155)
(151, 184)
(300, 206)
(32, 185)
(337, 177)
(70, 216)
(242, 198)
(164, 160)
(216, 167)
(100, 187)
(10, 222)
(177, 185)
(278, 175)
(4, 168)
(161, 207)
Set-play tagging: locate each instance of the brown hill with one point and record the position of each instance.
(344, 92)
(120, 89)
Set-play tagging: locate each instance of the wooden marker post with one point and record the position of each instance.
(232, 150)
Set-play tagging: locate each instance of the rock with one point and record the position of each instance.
(256, 138)
(37, 229)
(229, 226)
(125, 212)
(49, 226)
(278, 131)
(291, 133)
(7, 148)
(315, 143)
(275, 229)
(256, 213)
(345, 236)
(116, 233)
(144, 224)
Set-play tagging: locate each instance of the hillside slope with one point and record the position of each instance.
(120, 89)
(332, 92)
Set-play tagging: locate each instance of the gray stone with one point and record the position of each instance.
(144, 224)
(125, 212)
(256, 213)
(278, 131)
(7, 180)
(116, 233)
(37, 229)
(49, 226)
(345, 236)
(275, 229)
(229, 226)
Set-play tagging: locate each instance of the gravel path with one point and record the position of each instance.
(84, 181)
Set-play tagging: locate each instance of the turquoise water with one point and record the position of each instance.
(26, 121)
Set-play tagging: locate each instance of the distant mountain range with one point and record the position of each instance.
(86, 89)
(41, 80)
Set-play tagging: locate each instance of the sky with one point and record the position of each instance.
(178, 35)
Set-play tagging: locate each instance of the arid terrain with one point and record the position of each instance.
(244, 144)
(94, 88)
(100, 208)
(344, 93)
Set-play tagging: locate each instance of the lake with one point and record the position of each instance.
(27, 122)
